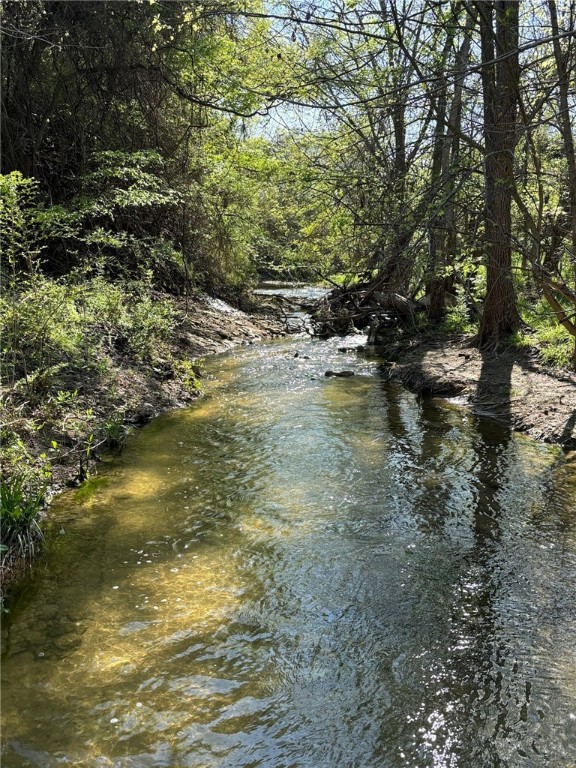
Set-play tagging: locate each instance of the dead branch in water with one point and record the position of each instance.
(345, 310)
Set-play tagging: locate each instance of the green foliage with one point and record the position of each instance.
(343, 279)
(40, 328)
(456, 320)
(553, 342)
(19, 508)
(19, 235)
(149, 323)
(190, 375)
(129, 316)
(23, 489)
(292, 229)
(126, 188)
(48, 325)
(123, 223)
(15, 455)
(115, 432)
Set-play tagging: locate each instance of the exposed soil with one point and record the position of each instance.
(141, 392)
(128, 392)
(512, 387)
(209, 326)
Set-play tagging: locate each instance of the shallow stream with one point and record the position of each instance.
(303, 572)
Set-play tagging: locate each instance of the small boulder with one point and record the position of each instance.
(341, 374)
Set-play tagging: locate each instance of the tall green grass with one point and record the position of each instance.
(20, 504)
(554, 344)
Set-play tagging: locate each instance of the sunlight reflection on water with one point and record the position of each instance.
(304, 571)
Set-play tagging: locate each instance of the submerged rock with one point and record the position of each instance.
(342, 374)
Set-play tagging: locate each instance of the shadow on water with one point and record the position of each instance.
(310, 573)
(566, 436)
(494, 390)
(485, 672)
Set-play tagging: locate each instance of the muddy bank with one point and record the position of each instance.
(87, 412)
(208, 326)
(137, 392)
(512, 387)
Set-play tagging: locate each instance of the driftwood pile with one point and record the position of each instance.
(344, 311)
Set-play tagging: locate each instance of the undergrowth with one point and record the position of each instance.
(62, 346)
(20, 502)
(554, 344)
(541, 331)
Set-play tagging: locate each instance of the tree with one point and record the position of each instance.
(82, 82)
(500, 84)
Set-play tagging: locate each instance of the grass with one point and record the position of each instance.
(20, 503)
(553, 342)
(115, 432)
(189, 374)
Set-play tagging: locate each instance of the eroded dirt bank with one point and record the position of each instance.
(209, 326)
(62, 436)
(140, 392)
(512, 387)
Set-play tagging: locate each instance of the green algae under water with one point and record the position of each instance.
(303, 572)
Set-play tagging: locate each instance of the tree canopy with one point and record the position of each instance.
(421, 148)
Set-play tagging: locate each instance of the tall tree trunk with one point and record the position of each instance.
(438, 189)
(500, 82)
(396, 271)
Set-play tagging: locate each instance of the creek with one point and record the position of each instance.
(303, 572)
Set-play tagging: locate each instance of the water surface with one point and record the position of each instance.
(304, 572)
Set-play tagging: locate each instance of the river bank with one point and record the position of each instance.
(512, 387)
(55, 439)
(89, 412)
(303, 570)
(131, 392)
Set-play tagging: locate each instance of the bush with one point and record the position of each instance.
(127, 317)
(40, 327)
(19, 231)
(47, 326)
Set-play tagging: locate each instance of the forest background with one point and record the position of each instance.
(152, 151)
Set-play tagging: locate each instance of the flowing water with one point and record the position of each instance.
(303, 572)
